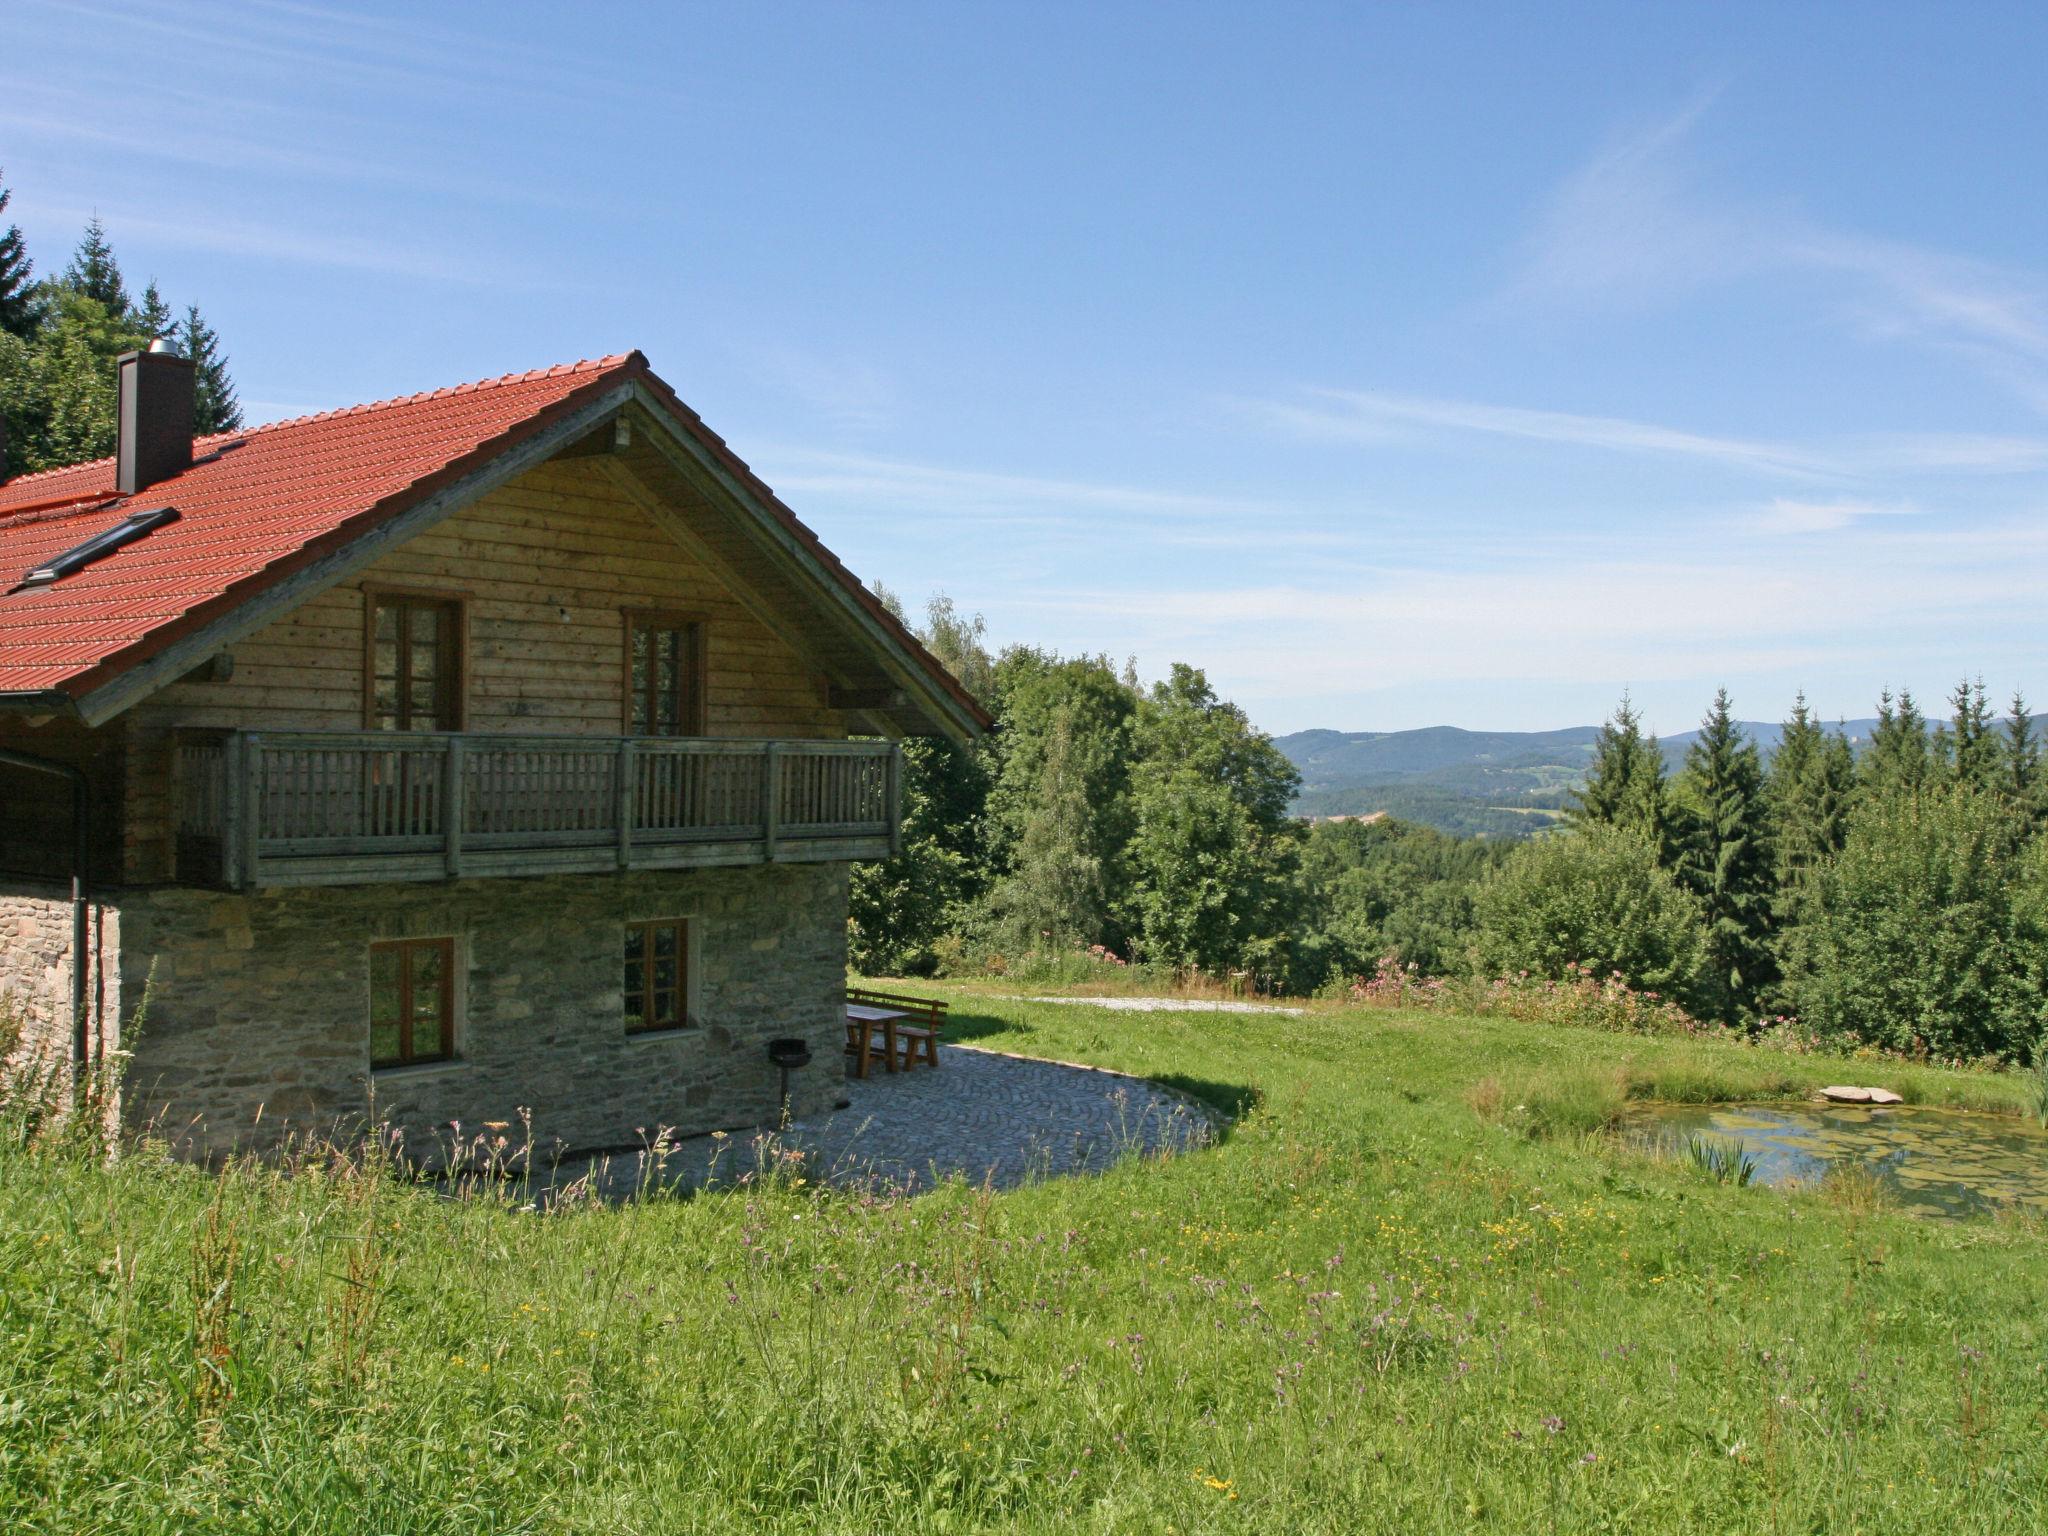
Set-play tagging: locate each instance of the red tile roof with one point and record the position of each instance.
(258, 505)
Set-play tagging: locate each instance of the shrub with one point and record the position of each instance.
(1910, 940)
(1593, 902)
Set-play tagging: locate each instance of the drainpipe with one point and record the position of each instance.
(79, 844)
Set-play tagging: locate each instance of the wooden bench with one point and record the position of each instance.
(917, 1031)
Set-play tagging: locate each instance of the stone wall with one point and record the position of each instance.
(258, 1007)
(35, 969)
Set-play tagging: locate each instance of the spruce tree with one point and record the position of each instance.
(214, 406)
(154, 315)
(1899, 761)
(1811, 785)
(1055, 896)
(20, 311)
(1625, 785)
(1970, 744)
(1723, 856)
(94, 272)
(2019, 772)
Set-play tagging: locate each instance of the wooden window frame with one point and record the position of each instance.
(636, 619)
(686, 977)
(375, 593)
(408, 1056)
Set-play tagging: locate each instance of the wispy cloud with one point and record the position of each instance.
(1640, 223)
(1787, 516)
(317, 248)
(883, 482)
(1376, 416)
(1366, 415)
(1882, 601)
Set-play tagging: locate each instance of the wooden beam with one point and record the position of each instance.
(866, 698)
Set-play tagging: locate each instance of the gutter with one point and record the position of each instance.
(79, 845)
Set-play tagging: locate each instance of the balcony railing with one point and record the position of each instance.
(341, 807)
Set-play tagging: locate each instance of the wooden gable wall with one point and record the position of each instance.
(569, 535)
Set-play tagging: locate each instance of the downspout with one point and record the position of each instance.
(80, 842)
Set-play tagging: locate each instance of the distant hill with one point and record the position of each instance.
(1504, 784)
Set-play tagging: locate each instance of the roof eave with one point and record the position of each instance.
(38, 701)
(940, 698)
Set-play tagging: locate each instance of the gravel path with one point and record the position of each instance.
(1155, 1004)
(983, 1115)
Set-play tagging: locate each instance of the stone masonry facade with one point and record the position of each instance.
(257, 1024)
(35, 969)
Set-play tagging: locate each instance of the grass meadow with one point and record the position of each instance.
(1412, 1288)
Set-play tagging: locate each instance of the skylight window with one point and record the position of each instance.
(132, 527)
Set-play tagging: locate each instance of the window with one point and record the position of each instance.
(664, 675)
(657, 975)
(413, 668)
(412, 1002)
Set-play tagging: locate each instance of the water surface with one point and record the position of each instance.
(1936, 1162)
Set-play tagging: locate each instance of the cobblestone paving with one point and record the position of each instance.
(982, 1114)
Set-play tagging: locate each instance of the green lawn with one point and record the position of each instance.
(1373, 1307)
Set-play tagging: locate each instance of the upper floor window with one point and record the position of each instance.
(414, 666)
(412, 1002)
(664, 674)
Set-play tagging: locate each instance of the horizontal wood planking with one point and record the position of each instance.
(564, 536)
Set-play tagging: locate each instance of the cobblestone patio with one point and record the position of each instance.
(982, 1115)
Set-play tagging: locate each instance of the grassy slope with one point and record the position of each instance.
(1368, 1309)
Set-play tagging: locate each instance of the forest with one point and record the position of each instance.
(1895, 897)
(59, 337)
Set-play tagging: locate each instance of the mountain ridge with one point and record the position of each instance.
(1474, 783)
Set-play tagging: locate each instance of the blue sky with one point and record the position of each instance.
(1399, 365)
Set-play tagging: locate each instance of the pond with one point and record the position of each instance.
(1936, 1162)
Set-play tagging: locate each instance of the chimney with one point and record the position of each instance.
(153, 434)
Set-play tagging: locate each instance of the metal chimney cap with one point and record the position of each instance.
(164, 344)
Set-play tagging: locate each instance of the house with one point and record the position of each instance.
(503, 747)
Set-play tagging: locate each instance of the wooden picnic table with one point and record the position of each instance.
(861, 1020)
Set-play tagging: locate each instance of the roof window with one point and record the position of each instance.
(134, 526)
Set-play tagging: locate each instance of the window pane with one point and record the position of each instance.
(384, 1004)
(665, 941)
(664, 1007)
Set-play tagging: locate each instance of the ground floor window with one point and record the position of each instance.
(412, 1002)
(657, 982)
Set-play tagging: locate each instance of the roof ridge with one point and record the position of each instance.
(553, 371)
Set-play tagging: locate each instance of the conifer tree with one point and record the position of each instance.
(1899, 761)
(1723, 856)
(1811, 786)
(154, 315)
(94, 272)
(2019, 770)
(20, 312)
(1970, 744)
(1625, 785)
(214, 406)
(1055, 894)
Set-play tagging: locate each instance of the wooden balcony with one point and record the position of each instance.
(255, 809)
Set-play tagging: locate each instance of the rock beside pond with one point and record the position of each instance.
(1839, 1094)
